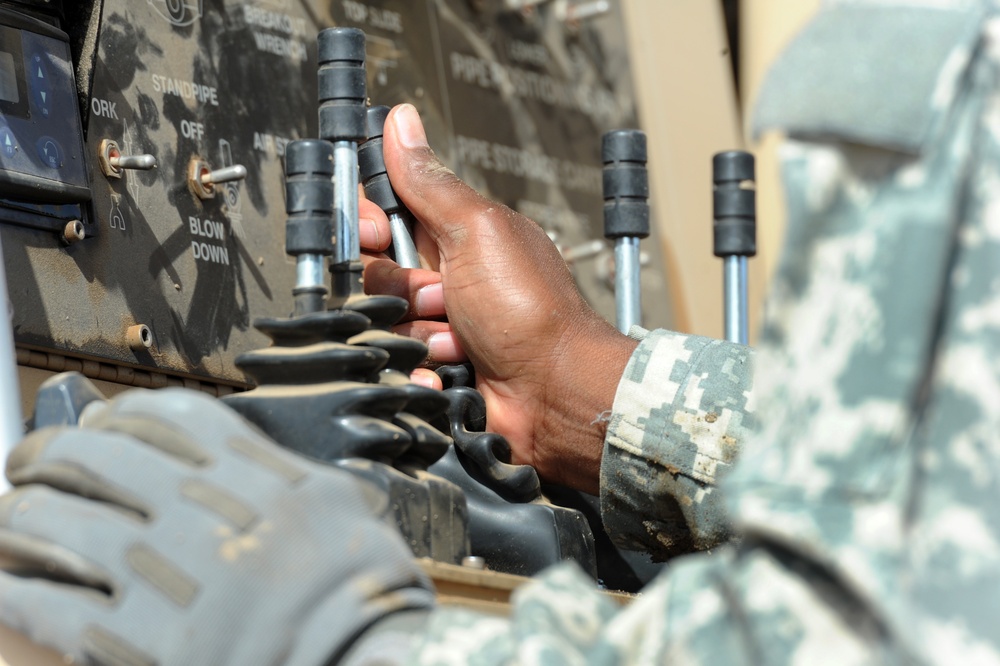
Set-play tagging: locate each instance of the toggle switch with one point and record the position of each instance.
(202, 179)
(574, 14)
(521, 5)
(113, 162)
(527, 9)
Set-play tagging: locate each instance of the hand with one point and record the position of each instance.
(546, 363)
(169, 531)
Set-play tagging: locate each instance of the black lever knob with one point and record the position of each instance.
(626, 184)
(342, 85)
(309, 230)
(309, 197)
(734, 206)
(372, 162)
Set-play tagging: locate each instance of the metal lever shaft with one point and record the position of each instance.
(228, 174)
(379, 190)
(626, 217)
(735, 236)
(134, 162)
(342, 97)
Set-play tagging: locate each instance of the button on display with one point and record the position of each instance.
(50, 152)
(39, 78)
(8, 142)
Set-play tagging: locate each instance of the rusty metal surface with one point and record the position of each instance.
(516, 105)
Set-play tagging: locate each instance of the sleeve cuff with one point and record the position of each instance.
(681, 414)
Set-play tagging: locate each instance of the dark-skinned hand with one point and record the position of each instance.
(493, 289)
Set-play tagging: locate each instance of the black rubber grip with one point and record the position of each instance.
(309, 197)
(342, 84)
(734, 228)
(375, 121)
(626, 184)
(309, 156)
(371, 160)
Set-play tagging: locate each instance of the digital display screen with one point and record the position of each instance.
(8, 78)
(13, 86)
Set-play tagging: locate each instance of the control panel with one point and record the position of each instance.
(141, 159)
(43, 175)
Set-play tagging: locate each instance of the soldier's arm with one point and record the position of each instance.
(827, 503)
(683, 409)
(666, 416)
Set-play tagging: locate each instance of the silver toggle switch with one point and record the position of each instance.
(225, 175)
(575, 13)
(137, 162)
(202, 179)
(113, 162)
(520, 5)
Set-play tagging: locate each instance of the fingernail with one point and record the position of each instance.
(368, 233)
(409, 129)
(444, 347)
(429, 300)
(423, 379)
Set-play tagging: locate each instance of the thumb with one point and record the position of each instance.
(449, 210)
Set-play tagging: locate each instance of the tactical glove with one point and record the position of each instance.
(167, 530)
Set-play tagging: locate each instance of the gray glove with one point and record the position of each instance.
(169, 531)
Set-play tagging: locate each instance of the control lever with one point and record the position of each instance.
(227, 174)
(202, 179)
(11, 426)
(577, 13)
(735, 235)
(379, 190)
(521, 5)
(342, 97)
(135, 162)
(626, 216)
(113, 162)
(309, 232)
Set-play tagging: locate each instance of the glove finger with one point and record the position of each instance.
(105, 466)
(47, 533)
(118, 469)
(163, 419)
(185, 424)
(29, 556)
(49, 614)
(243, 470)
(197, 421)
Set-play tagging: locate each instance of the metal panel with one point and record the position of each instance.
(515, 102)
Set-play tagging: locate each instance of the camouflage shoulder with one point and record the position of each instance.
(875, 429)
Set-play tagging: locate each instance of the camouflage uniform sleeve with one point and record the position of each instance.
(682, 411)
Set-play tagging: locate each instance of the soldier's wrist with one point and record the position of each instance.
(578, 404)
